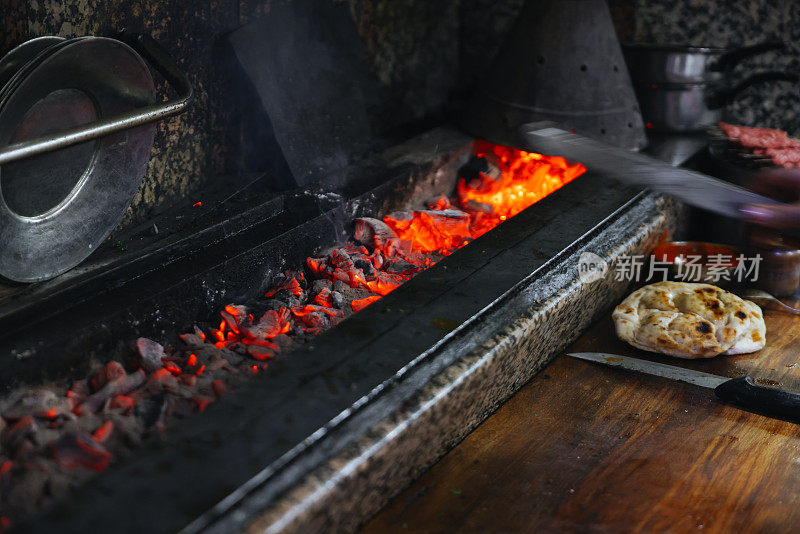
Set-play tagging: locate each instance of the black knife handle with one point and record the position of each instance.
(747, 394)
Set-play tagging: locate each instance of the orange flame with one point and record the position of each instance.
(525, 178)
(518, 180)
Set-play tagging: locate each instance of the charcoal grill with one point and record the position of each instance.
(335, 428)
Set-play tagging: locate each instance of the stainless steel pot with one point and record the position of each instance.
(649, 63)
(685, 107)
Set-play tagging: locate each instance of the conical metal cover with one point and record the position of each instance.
(562, 62)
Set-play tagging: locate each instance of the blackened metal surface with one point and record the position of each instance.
(562, 62)
(309, 67)
(265, 430)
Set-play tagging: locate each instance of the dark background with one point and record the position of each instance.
(426, 54)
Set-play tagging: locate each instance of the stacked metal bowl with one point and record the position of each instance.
(685, 88)
(76, 130)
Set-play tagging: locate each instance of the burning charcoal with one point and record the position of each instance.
(323, 298)
(479, 168)
(299, 276)
(202, 402)
(287, 297)
(123, 403)
(337, 300)
(439, 203)
(377, 259)
(341, 275)
(301, 311)
(192, 339)
(478, 207)
(151, 354)
(373, 232)
(270, 325)
(360, 304)
(41, 403)
(275, 304)
(121, 385)
(291, 285)
(317, 266)
(341, 259)
(189, 380)
(6, 466)
(283, 342)
(317, 320)
(471, 169)
(399, 266)
(319, 285)
(418, 259)
(385, 282)
(109, 372)
(260, 353)
(365, 266)
(161, 380)
(234, 316)
(79, 388)
(216, 362)
(432, 230)
(400, 216)
(76, 449)
(341, 287)
(19, 432)
(102, 434)
(210, 354)
(238, 348)
(152, 410)
(352, 248)
(218, 387)
(449, 218)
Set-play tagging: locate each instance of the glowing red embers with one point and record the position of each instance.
(431, 230)
(524, 179)
(122, 402)
(102, 434)
(5, 469)
(360, 304)
(324, 298)
(271, 324)
(291, 285)
(73, 450)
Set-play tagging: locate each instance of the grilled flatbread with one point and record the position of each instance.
(689, 321)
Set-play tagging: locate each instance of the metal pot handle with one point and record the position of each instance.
(163, 63)
(729, 59)
(724, 97)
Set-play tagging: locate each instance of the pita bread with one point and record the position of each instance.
(689, 321)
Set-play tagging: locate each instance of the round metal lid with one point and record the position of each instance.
(56, 208)
(20, 55)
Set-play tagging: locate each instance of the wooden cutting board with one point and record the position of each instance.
(583, 447)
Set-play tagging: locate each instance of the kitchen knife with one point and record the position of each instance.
(690, 187)
(740, 391)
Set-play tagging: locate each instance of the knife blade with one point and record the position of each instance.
(743, 392)
(691, 187)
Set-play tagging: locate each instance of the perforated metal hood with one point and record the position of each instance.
(562, 62)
